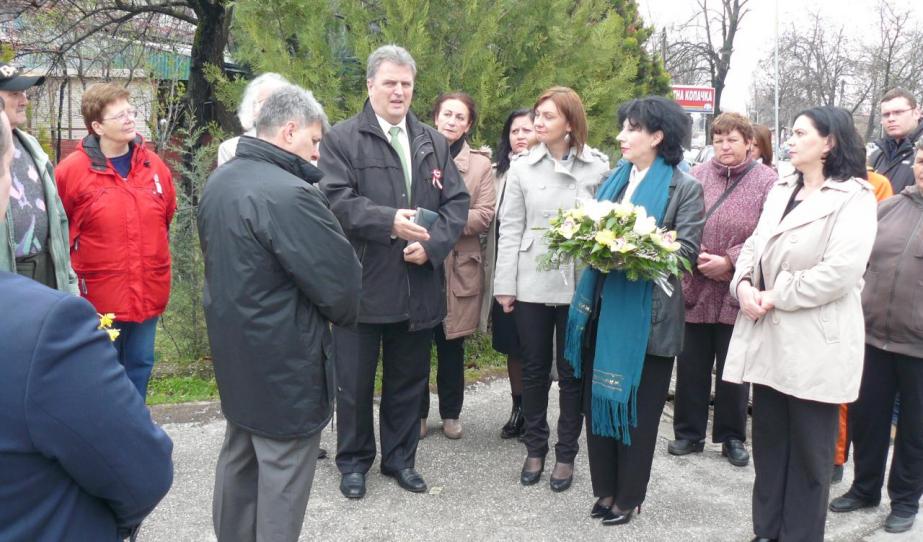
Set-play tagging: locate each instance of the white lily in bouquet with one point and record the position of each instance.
(614, 236)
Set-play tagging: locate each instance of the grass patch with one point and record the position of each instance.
(195, 381)
(181, 389)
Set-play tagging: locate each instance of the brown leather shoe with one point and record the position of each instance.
(423, 429)
(452, 428)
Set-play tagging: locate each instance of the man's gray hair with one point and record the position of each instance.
(246, 111)
(290, 103)
(389, 53)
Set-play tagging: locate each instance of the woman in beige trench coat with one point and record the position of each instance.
(799, 337)
(454, 114)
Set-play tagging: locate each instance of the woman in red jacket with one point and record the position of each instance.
(119, 199)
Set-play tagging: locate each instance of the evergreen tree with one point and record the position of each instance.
(502, 52)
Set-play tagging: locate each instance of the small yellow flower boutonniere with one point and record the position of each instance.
(105, 324)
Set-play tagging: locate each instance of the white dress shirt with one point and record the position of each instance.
(634, 179)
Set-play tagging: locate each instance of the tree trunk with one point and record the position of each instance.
(211, 38)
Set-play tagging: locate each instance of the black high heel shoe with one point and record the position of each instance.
(618, 518)
(561, 484)
(599, 510)
(530, 477)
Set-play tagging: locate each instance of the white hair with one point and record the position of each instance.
(246, 111)
(290, 103)
(389, 53)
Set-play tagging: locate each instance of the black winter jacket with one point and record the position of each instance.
(365, 184)
(896, 161)
(278, 269)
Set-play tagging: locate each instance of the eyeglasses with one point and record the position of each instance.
(889, 114)
(129, 113)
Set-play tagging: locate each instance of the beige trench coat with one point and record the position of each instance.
(811, 345)
(464, 268)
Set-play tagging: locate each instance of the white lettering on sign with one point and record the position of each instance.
(694, 95)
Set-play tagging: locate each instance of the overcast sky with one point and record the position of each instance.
(756, 34)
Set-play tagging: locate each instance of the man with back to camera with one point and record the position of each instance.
(902, 122)
(80, 457)
(379, 167)
(278, 271)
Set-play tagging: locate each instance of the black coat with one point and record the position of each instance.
(896, 161)
(365, 183)
(278, 269)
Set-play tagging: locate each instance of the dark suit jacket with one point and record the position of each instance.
(80, 457)
(364, 181)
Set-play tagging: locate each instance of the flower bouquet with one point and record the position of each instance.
(606, 235)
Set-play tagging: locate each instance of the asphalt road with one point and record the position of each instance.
(474, 491)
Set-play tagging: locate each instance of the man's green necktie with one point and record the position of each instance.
(396, 143)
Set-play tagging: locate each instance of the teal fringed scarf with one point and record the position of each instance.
(624, 317)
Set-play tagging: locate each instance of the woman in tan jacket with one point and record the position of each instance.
(799, 337)
(454, 114)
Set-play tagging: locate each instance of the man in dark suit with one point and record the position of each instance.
(80, 457)
(379, 167)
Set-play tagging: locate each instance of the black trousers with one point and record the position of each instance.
(405, 366)
(794, 441)
(450, 376)
(537, 325)
(617, 470)
(704, 345)
(885, 374)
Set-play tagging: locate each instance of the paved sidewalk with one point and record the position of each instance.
(475, 493)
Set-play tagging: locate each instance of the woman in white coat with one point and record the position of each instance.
(799, 337)
(557, 172)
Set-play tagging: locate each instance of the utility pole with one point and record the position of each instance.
(778, 136)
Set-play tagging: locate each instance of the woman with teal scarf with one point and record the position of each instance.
(622, 335)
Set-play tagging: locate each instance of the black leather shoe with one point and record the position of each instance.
(618, 518)
(321, 453)
(849, 502)
(599, 510)
(531, 477)
(763, 539)
(514, 425)
(408, 479)
(736, 453)
(898, 524)
(352, 485)
(561, 484)
(682, 446)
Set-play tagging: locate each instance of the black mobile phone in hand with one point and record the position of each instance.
(425, 218)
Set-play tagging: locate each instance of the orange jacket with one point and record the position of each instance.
(881, 184)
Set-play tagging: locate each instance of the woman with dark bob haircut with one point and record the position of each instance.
(799, 336)
(623, 335)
